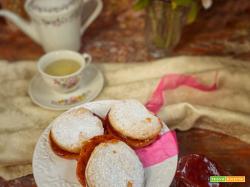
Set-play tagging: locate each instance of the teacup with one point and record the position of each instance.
(63, 83)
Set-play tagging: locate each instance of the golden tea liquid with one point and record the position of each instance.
(62, 67)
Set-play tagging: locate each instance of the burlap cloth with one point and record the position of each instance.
(226, 110)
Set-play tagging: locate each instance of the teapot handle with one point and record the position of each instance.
(93, 16)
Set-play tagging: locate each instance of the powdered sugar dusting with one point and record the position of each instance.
(74, 127)
(132, 119)
(114, 165)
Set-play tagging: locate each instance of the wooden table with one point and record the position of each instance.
(224, 30)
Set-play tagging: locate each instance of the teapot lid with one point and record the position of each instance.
(50, 6)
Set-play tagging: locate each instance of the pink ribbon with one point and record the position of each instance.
(173, 81)
(162, 149)
(166, 146)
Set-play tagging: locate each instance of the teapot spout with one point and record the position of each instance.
(25, 26)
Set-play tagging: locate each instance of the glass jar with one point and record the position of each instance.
(163, 27)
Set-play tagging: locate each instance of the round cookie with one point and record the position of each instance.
(131, 119)
(73, 128)
(113, 164)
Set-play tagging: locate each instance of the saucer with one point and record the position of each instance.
(89, 88)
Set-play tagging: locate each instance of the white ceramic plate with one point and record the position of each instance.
(91, 85)
(52, 171)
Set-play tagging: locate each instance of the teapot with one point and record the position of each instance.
(56, 24)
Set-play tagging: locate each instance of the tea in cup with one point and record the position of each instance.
(62, 70)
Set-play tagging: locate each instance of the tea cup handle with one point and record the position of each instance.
(87, 58)
(93, 16)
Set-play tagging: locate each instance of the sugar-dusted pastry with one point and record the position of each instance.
(71, 130)
(133, 123)
(108, 162)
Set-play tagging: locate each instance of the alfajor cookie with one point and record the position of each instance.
(131, 121)
(108, 162)
(71, 130)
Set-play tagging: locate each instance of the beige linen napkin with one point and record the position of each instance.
(226, 110)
